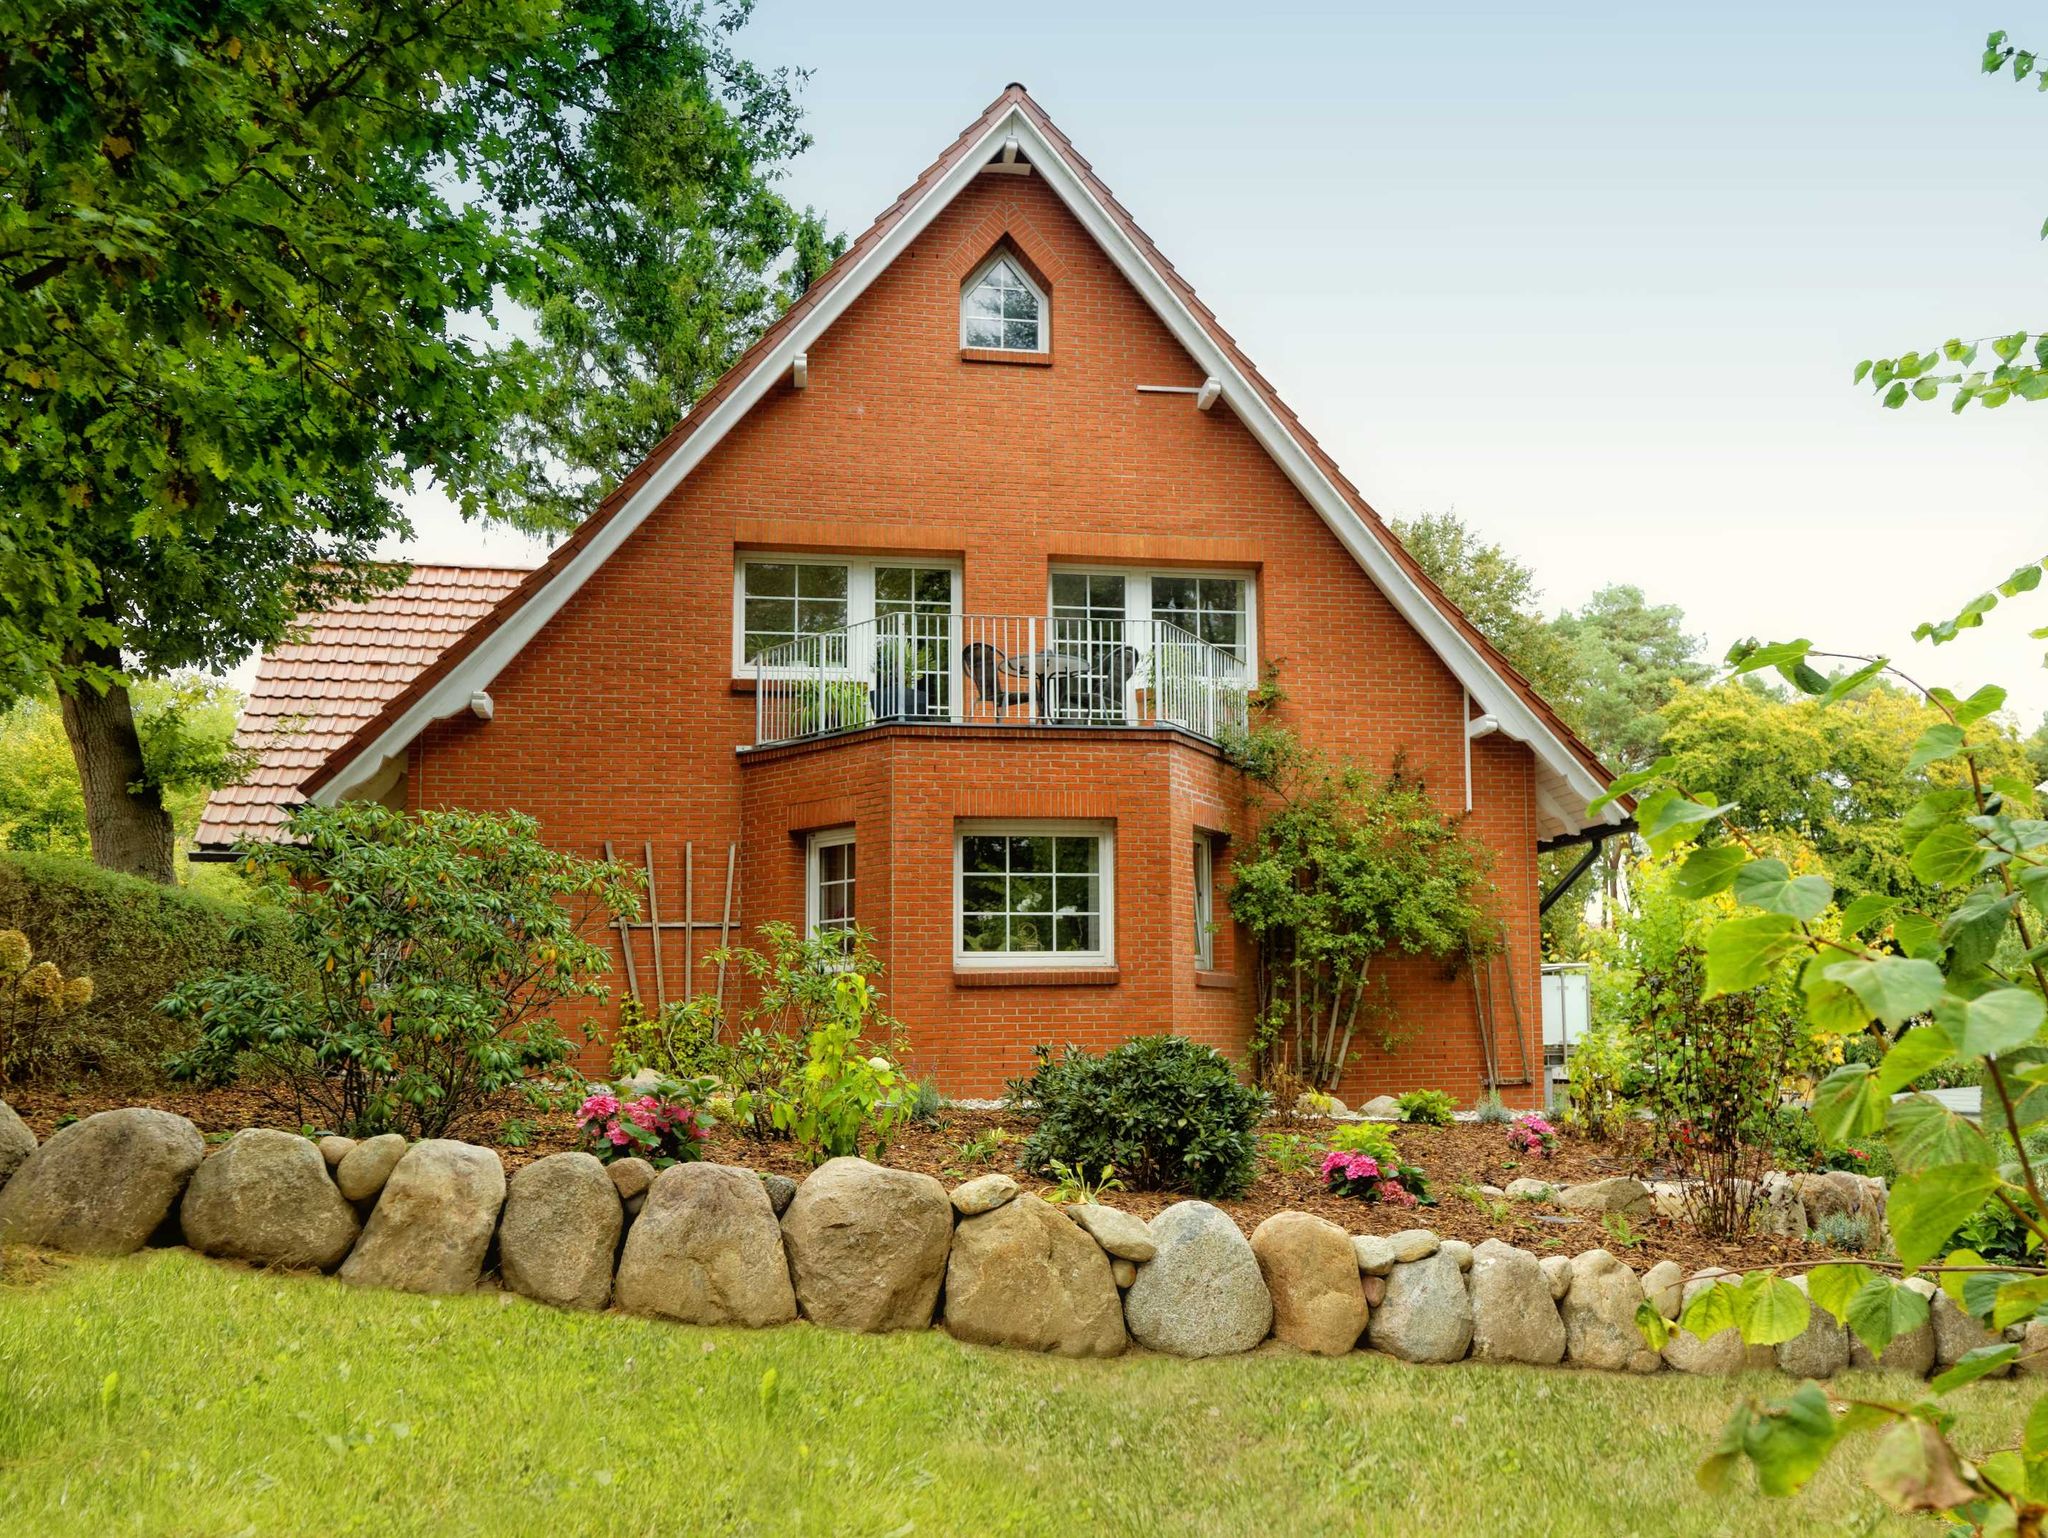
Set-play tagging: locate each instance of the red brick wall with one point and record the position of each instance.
(621, 719)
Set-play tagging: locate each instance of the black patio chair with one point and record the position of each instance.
(1104, 698)
(983, 665)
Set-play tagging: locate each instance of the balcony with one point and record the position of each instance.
(997, 670)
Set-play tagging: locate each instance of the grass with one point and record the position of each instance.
(165, 1394)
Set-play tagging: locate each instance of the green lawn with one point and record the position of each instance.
(169, 1395)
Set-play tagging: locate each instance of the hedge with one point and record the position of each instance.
(136, 940)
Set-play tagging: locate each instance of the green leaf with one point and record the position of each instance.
(1925, 1211)
(1770, 1310)
(1893, 988)
(1741, 952)
(2024, 580)
(1849, 683)
(1831, 1009)
(1847, 1106)
(1914, 1469)
(1656, 1329)
(1865, 911)
(1992, 698)
(1918, 936)
(1884, 1310)
(1629, 784)
(1832, 1287)
(1717, 1469)
(1940, 741)
(2034, 1439)
(1667, 817)
(1711, 1311)
(1917, 1052)
(1709, 870)
(1790, 1439)
(2018, 1298)
(1991, 1023)
(1950, 855)
(1750, 657)
(1975, 1364)
(1770, 885)
(1922, 1134)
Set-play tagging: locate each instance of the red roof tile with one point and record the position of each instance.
(312, 694)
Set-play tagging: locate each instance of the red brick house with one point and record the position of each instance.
(929, 615)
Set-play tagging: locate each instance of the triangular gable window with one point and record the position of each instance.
(1002, 308)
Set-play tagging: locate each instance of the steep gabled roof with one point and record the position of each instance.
(314, 693)
(1569, 773)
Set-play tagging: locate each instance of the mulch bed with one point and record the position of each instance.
(1464, 1154)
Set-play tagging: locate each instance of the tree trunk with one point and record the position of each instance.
(130, 830)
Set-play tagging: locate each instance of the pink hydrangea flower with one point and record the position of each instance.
(599, 1107)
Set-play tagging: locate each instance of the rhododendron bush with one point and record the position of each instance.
(662, 1122)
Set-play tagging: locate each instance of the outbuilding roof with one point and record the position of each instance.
(313, 693)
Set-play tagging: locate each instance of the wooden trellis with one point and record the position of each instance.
(654, 926)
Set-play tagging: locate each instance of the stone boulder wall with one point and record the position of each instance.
(1427, 1315)
(560, 1231)
(1021, 1275)
(1599, 1310)
(101, 1186)
(16, 1142)
(1912, 1353)
(867, 1246)
(1311, 1273)
(706, 1249)
(1202, 1294)
(267, 1198)
(433, 1222)
(1513, 1316)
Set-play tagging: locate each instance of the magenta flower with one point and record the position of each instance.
(599, 1107)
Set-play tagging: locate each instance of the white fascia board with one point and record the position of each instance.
(477, 671)
(1495, 696)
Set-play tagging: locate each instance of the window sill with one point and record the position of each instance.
(1036, 977)
(1206, 977)
(1004, 355)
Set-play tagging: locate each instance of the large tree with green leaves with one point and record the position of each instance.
(1496, 591)
(249, 258)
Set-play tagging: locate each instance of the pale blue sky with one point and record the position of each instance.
(1595, 276)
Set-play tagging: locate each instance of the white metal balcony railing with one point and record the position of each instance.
(997, 670)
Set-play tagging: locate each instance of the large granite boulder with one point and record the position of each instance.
(706, 1249)
(1599, 1310)
(103, 1185)
(1021, 1275)
(1664, 1287)
(1311, 1274)
(1619, 1194)
(1957, 1334)
(1427, 1315)
(1820, 1350)
(16, 1142)
(267, 1198)
(433, 1222)
(1723, 1352)
(1202, 1294)
(1514, 1318)
(560, 1231)
(867, 1246)
(365, 1167)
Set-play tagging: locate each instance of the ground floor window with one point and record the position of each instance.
(830, 900)
(1038, 893)
(1205, 900)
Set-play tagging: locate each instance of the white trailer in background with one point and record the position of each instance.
(1567, 1016)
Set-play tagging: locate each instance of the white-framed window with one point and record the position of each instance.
(778, 598)
(1001, 308)
(1205, 899)
(1034, 893)
(829, 886)
(1219, 607)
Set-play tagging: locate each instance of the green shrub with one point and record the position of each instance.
(1366, 1137)
(1842, 1231)
(679, 1041)
(924, 1105)
(137, 941)
(439, 945)
(1163, 1112)
(1426, 1107)
(1492, 1111)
